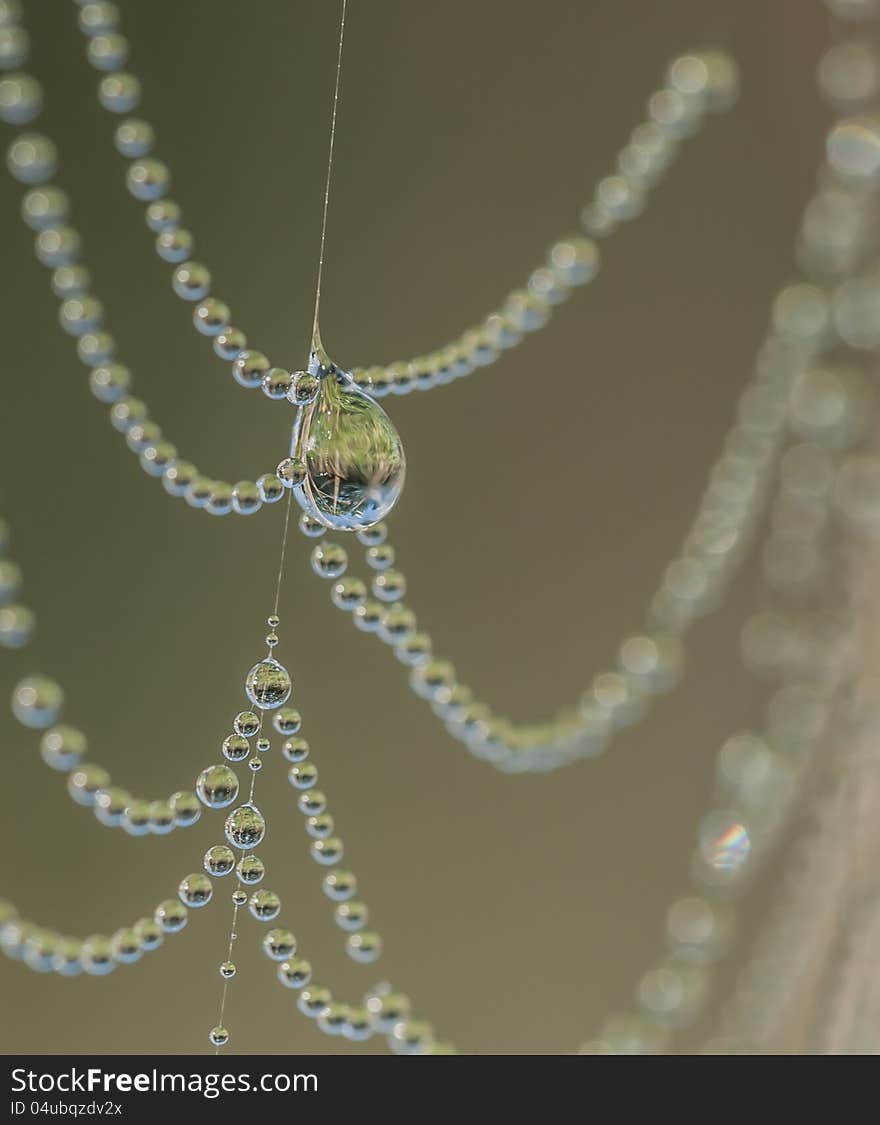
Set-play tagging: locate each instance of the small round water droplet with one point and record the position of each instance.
(333, 1018)
(247, 724)
(310, 527)
(66, 959)
(380, 557)
(358, 1025)
(397, 624)
(287, 721)
(270, 488)
(312, 803)
(150, 934)
(291, 471)
(412, 1037)
(16, 625)
(295, 974)
(320, 827)
(245, 827)
(62, 747)
(251, 869)
(303, 775)
(276, 383)
(328, 851)
(304, 389)
(349, 593)
(312, 1001)
(416, 649)
(279, 945)
(161, 818)
(373, 536)
(20, 99)
(41, 948)
(849, 74)
(97, 956)
(368, 616)
(236, 748)
(329, 560)
(110, 804)
(219, 860)
(37, 701)
(239, 897)
(268, 685)
(127, 946)
(31, 158)
(219, 1036)
(264, 745)
(698, 931)
(351, 916)
(171, 916)
(227, 970)
(10, 579)
(388, 1008)
(389, 586)
(853, 149)
(271, 640)
(340, 885)
(186, 808)
(264, 905)
(195, 890)
(353, 455)
(363, 946)
(255, 764)
(136, 821)
(295, 749)
(217, 786)
(84, 783)
(673, 994)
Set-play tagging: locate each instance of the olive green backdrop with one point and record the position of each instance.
(544, 495)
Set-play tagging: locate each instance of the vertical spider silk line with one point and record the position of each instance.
(315, 329)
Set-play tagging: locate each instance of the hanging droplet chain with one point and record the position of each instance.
(267, 687)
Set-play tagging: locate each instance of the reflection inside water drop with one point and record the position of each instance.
(353, 454)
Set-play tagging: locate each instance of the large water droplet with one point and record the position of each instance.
(352, 452)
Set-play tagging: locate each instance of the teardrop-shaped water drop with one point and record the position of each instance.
(352, 452)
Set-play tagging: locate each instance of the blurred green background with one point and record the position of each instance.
(544, 495)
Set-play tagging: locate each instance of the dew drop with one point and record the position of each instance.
(246, 724)
(264, 905)
(279, 945)
(37, 702)
(219, 860)
(268, 685)
(250, 869)
(245, 827)
(195, 890)
(355, 464)
(217, 786)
